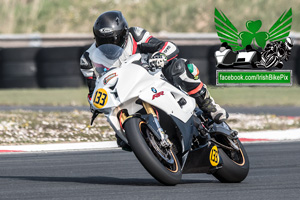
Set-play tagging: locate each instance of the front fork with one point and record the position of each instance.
(163, 136)
(153, 124)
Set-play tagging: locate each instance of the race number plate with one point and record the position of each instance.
(100, 98)
(214, 156)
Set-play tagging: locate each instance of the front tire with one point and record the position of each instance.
(166, 170)
(233, 171)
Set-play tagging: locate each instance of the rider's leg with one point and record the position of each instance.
(184, 74)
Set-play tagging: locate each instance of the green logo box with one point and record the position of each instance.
(252, 78)
(227, 32)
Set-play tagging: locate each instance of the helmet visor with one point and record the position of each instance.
(118, 38)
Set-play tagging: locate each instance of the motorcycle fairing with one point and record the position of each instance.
(131, 82)
(167, 98)
(221, 128)
(198, 161)
(188, 130)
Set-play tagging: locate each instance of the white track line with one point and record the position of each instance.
(60, 147)
(291, 134)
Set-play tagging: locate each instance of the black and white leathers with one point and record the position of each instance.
(139, 41)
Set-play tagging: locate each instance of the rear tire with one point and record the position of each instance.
(231, 171)
(145, 153)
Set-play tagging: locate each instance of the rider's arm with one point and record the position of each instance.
(149, 44)
(87, 70)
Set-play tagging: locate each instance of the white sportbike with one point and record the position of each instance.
(161, 123)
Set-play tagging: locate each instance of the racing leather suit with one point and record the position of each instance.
(179, 72)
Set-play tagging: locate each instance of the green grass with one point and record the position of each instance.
(232, 96)
(53, 97)
(256, 96)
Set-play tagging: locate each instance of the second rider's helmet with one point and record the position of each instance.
(111, 28)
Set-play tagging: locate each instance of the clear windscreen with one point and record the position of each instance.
(106, 57)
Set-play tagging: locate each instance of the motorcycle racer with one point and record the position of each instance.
(111, 28)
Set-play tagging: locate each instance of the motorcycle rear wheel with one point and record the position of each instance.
(233, 170)
(160, 162)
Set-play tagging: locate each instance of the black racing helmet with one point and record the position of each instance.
(111, 28)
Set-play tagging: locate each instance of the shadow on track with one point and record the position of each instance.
(102, 180)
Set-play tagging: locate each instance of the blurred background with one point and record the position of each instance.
(41, 38)
(41, 42)
(195, 16)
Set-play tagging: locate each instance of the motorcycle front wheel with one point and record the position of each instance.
(162, 163)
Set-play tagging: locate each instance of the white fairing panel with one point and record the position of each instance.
(121, 87)
(166, 98)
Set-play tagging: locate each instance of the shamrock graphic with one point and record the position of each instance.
(227, 32)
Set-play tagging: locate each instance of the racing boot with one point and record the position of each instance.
(207, 104)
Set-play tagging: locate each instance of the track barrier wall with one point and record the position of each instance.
(54, 67)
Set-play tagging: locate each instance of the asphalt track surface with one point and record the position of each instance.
(116, 174)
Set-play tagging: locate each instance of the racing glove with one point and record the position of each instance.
(158, 60)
